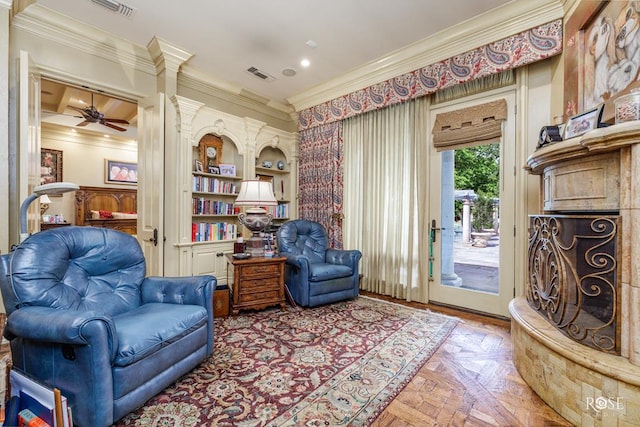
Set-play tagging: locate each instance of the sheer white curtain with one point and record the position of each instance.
(385, 178)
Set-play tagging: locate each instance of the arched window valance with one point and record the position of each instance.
(468, 127)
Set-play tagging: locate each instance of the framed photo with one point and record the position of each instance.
(50, 166)
(199, 166)
(214, 170)
(227, 169)
(584, 122)
(116, 172)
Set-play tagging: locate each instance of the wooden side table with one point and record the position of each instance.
(258, 282)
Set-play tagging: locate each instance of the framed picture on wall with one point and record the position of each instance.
(116, 172)
(601, 59)
(50, 166)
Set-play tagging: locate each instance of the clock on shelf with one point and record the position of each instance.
(210, 151)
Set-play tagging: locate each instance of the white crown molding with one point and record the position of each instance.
(199, 80)
(502, 22)
(6, 4)
(167, 56)
(50, 25)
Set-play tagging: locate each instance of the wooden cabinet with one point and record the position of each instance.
(210, 259)
(50, 225)
(258, 282)
(221, 302)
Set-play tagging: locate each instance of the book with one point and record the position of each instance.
(26, 418)
(42, 411)
(39, 399)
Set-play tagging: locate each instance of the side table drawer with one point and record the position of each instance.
(260, 270)
(264, 295)
(260, 285)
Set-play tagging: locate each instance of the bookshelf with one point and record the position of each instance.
(210, 142)
(214, 218)
(213, 212)
(279, 174)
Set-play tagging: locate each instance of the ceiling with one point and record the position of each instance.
(57, 100)
(227, 37)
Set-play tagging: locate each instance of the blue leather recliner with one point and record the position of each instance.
(83, 317)
(314, 273)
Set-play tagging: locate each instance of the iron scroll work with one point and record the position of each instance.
(573, 276)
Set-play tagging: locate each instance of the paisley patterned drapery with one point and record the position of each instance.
(515, 51)
(320, 179)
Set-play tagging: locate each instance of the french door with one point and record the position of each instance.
(469, 269)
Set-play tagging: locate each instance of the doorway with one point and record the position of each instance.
(88, 130)
(471, 257)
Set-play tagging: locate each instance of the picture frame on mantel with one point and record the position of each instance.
(600, 63)
(583, 122)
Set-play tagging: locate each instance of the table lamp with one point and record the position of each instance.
(45, 201)
(53, 188)
(255, 193)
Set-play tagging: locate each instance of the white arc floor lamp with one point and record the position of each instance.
(53, 188)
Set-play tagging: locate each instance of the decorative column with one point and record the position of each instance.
(448, 275)
(466, 221)
(168, 59)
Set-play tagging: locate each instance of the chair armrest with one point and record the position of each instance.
(344, 257)
(300, 262)
(194, 290)
(46, 324)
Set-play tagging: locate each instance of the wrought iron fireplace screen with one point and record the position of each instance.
(573, 276)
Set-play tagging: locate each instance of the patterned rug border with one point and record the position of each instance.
(435, 313)
(367, 414)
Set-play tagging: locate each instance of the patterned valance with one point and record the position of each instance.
(511, 52)
(471, 126)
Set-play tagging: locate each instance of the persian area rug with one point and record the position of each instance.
(334, 365)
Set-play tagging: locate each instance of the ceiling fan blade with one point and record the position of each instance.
(86, 122)
(112, 126)
(116, 121)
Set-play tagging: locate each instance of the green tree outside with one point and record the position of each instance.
(478, 169)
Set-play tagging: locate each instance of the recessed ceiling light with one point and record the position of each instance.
(305, 62)
(311, 44)
(288, 72)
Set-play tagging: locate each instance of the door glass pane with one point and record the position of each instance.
(470, 218)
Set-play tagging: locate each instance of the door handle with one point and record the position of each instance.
(154, 239)
(433, 230)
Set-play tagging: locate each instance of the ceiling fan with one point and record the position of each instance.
(92, 115)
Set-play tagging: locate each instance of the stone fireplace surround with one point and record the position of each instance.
(591, 174)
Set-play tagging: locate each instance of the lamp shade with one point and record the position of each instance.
(55, 188)
(45, 199)
(254, 192)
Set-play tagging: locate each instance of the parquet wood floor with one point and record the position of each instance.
(469, 381)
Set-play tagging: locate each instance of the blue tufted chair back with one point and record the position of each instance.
(76, 268)
(302, 237)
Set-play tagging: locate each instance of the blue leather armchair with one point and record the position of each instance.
(83, 317)
(314, 273)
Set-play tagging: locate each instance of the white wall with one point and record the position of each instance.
(83, 161)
